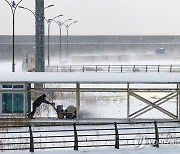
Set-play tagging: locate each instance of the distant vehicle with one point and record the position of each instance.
(160, 51)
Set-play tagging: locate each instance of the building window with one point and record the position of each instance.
(12, 102)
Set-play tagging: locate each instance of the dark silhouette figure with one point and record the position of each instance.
(37, 103)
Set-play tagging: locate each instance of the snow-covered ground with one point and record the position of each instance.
(148, 150)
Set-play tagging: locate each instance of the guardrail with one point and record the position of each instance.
(114, 68)
(76, 136)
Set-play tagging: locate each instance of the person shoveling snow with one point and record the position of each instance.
(41, 99)
(69, 112)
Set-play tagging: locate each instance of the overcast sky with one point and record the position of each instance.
(99, 17)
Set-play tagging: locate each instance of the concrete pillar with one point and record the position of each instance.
(128, 102)
(40, 47)
(28, 88)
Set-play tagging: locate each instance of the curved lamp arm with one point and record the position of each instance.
(13, 7)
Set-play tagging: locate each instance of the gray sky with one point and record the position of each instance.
(99, 17)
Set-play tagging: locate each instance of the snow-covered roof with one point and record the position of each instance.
(74, 77)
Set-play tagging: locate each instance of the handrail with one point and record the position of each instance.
(114, 68)
(89, 135)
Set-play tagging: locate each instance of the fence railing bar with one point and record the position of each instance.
(105, 140)
(99, 145)
(160, 127)
(170, 138)
(169, 132)
(12, 149)
(55, 147)
(136, 128)
(137, 134)
(31, 140)
(116, 136)
(14, 143)
(49, 131)
(75, 137)
(132, 139)
(47, 142)
(22, 132)
(36, 137)
(98, 135)
(13, 138)
(81, 130)
(156, 135)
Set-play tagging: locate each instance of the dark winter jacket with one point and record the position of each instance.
(40, 100)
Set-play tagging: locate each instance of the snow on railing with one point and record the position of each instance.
(86, 135)
(114, 68)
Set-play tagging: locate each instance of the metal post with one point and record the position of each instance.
(77, 99)
(158, 68)
(171, 68)
(128, 102)
(178, 101)
(13, 7)
(49, 23)
(67, 40)
(75, 137)
(60, 46)
(13, 63)
(67, 29)
(109, 68)
(31, 139)
(156, 135)
(39, 53)
(116, 136)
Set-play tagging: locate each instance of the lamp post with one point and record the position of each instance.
(13, 7)
(67, 30)
(60, 24)
(49, 21)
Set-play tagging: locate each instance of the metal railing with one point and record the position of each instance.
(89, 135)
(114, 68)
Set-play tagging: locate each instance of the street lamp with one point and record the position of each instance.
(49, 23)
(60, 24)
(42, 58)
(13, 7)
(22, 7)
(48, 6)
(67, 30)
